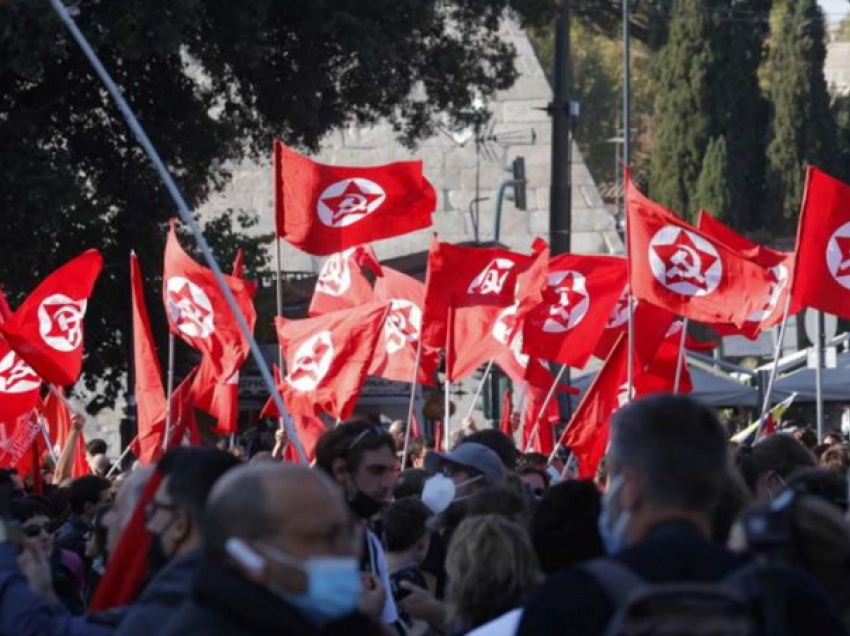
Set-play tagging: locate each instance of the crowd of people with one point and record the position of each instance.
(680, 533)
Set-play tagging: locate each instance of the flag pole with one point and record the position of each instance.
(543, 408)
(169, 390)
(776, 353)
(120, 460)
(48, 441)
(182, 208)
(447, 384)
(412, 404)
(680, 358)
(480, 388)
(819, 376)
(278, 261)
(627, 158)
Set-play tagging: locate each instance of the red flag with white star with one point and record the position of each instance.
(150, 393)
(47, 329)
(198, 311)
(328, 357)
(576, 305)
(779, 268)
(19, 384)
(467, 277)
(341, 283)
(675, 266)
(323, 209)
(395, 356)
(823, 246)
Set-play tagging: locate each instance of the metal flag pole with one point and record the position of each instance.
(413, 384)
(447, 384)
(48, 441)
(183, 210)
(543, 408)
(169, 391)
(627, 157)
(819, 333)
(680, 357)
(480, 388)
(120, 460)
(777, 351)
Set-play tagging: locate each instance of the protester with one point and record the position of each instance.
(832, 438)
(536, 480)
(361, 458)
(829, 485)
(491, 566)
(812, 535)
(667, 461)
(96, 552)
(499, 443)
(406, 537)
(396, 431)
(806, 436)
(836, 458)
(767, 466)
(282, 561)
(410, 483)
(416, 454)
(56, 575)
(506, 501)
(564, 531)
(86, 495)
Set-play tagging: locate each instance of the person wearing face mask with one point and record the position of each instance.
(174, 517)
(766, 467)
(667, 462)
(280, 562)
(361, 458)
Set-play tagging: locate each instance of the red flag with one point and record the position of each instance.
(5, 310)
(659, 375)
(198, 311)
(19, 389)
(675, 266)
(310, 429)
(823, 246)
(538, 422)
(395, 356)
(183, 430)
(650, 325)
(128, 566)
(341, 283)
(150, 394)
(582, 292)
(467, 277)
(324, 209)
(328, 358)
(239, 264)
(58, 417)
(438, 436)
(47, 329)
(587, 432)
(24, 431)
(779, 268)
(507, 410)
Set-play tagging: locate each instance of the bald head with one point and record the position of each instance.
(262, 500)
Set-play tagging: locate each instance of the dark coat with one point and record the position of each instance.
(572, 602)
(224, 603)
(161, 597)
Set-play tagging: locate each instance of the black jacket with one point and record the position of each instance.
(224, 603)
(572, 602)
(71, 535)
(161, 597)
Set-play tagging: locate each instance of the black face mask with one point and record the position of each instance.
(364, 506)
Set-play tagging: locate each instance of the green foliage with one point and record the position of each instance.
(212, 81)
(802, 128)
(708, 88)
(712, 190)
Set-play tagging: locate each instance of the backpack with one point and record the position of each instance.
(746, 603)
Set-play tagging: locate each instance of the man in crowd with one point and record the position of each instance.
(361, 458)
(87, 494)
(667, 461)
(280, 561)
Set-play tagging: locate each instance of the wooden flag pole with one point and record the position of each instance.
(680, 357)
(414, 382)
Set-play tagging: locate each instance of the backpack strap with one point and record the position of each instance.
(618, 581)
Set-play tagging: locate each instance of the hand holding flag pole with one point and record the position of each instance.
(182, 208)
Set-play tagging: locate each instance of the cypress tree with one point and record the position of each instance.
(802, 128)
(708, 89)
(713, 192)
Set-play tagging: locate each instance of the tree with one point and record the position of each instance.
(712, 192)
(708, 88)
(212, 81)
(802, 129)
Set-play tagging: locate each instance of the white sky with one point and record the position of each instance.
(835, 9)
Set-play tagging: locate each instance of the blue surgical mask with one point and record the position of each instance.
(613, 531)
(333, 586)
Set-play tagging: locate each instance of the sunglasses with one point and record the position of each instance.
(32, 531)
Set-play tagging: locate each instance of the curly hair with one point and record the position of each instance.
(490, 567)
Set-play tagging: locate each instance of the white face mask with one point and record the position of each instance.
(439, 492)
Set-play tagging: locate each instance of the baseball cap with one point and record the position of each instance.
(470, 455)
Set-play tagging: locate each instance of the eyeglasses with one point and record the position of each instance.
(372, 430)
(33, 530)
(155, 506)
